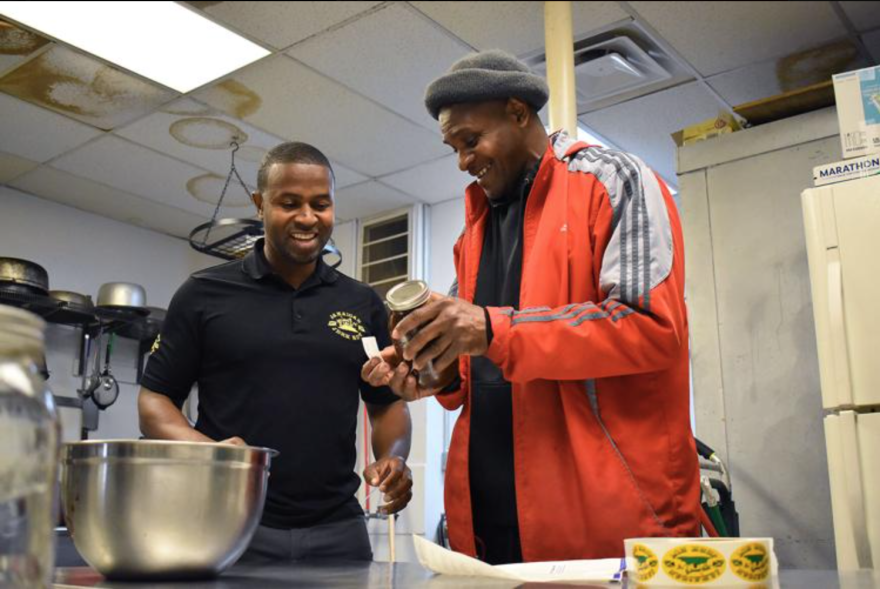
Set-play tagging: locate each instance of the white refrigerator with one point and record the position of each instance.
(842, 223)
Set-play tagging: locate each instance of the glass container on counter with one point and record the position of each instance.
(402, 300)
(29, 446)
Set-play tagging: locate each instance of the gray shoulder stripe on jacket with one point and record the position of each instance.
(573, 312)
(639, 255)
(603, 315)
(453, 289)
(625, 192)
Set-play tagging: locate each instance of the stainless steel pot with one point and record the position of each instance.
(148, 509)
(22, 273)
(73, 299)
(122, 295)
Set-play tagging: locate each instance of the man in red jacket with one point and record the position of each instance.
(566, 342)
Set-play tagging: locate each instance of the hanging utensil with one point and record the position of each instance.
(90, 375)
(107, 391)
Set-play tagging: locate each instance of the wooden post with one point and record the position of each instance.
(559, 45)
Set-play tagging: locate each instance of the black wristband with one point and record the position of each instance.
(488, 327)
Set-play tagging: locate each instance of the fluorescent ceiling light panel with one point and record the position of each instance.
(161, 41)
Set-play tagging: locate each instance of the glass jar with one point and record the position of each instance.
(29, 445)
(402, 300)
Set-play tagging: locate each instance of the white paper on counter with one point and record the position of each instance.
(446, 562)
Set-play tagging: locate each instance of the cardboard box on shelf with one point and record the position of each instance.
(857, 95)
(720, 125)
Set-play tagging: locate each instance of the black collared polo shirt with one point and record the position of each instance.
(279, 367)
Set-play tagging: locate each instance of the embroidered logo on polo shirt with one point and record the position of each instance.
(156, 344)
(347, 325)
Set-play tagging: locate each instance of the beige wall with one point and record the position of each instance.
(755, 367)
(81, 251)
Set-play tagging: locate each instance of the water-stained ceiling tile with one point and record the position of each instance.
(16, 44)
(283, 96)
(206, 133)
(196, 134)
(34, 133)
(210, 187)
(83, 88)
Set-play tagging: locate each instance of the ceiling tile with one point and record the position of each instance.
(345, 176)
(399, 53)
(643, 126)
(204, 139)
(12, 166)
(86, 195)
(290, 100)
(777, 76)
(82, 88)
(747, 84)
(864, 15)
(17, 44)
(37, 134)
(719, 36)
(367, 199)
(281, 24)
(433, 182)
(143, 172)
(517, 27)
(197, 134)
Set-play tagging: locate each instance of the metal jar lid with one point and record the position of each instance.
(408, 295)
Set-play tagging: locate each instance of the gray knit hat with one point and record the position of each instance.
(484, 76)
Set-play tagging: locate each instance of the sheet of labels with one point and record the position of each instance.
(702, 562)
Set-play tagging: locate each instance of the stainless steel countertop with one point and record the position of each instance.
(404, 575)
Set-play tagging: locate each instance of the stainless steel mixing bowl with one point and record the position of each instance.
(147, 509)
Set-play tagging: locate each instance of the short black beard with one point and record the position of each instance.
(291, 259)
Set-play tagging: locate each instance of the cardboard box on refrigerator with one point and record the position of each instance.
(857, 95)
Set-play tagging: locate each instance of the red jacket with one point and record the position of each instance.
(598, 356)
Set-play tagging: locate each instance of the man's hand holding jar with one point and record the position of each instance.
(430, 331)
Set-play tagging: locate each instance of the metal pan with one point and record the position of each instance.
(73, 299)
(32, 277)
(122, 295)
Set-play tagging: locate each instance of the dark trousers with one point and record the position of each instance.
(343, 540)
(497, 543)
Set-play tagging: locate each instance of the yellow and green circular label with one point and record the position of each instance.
(693, 564)
(751, 562)
(648, 565)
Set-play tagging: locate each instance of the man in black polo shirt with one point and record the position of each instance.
(274, 343)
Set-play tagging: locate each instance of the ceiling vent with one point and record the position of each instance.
(615, 64)
(613, 67)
